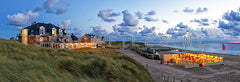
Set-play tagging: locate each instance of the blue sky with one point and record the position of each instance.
(181, 17)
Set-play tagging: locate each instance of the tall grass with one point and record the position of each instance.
(19, 62)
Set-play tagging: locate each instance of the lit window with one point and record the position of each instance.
(53, 31)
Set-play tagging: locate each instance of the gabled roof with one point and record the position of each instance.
(74, 37)
(95, 35)
(34, 28)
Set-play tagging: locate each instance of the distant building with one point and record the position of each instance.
(49, 35)
(99, 40)
(12, 38)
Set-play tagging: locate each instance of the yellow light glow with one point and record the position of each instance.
(53, 32)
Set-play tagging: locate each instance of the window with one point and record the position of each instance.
(65, 31)
(53, 31)
(60, 32)
(41, 30)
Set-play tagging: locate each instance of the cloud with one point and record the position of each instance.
(152, 12)
(105, 14)
(230, 24)
(180, 32)
(165, 21)
(65, 24)
(99, 30)
(149, 19)
(128, 19)
(21, 19)
(139, 15)
(232, 16)
(212, 33)
(147, 16)
(61, 10)
(188, 10)
(181, 25)
(201, 10)
(147, 31)
(230, 28)
(50, 6)
(202, 21)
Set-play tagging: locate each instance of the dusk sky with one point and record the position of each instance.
(211, 19)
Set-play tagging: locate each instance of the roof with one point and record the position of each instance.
(95, 35)
(34, 28)
(176, 52)
(74, 37)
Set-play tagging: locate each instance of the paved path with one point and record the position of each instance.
(154, 63)
(156, 69)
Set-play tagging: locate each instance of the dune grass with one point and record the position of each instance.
(19, 62)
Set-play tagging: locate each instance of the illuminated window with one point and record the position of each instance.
(41, 30)
(53, 31)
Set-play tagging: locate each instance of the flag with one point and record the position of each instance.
(223, 47)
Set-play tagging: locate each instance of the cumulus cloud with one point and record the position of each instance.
(152, 12)
(149, 19)
(61, 10)
(21, 19)
(139, 15)
(230, 23)
(65, 24)
(128, 27)
(50, 6)
(146, 31)
(232, 16)
(180, 32)
(128, 19)
(230, 27)
(165, 21)
(181, 25)
(99, 30)
(105, 14)
(202, 21)
(188, 10)
(201, 10)
(198, 10)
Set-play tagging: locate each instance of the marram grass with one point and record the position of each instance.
(19, 62)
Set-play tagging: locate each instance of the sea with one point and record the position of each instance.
(230, 48)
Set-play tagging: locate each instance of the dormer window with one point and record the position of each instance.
(42, 30)
(53, 31)
(65, 31)
(60, 32)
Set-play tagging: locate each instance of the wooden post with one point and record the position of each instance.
(147, 66)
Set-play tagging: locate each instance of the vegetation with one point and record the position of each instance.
(19, 62)
(136, 49)
(118, 44)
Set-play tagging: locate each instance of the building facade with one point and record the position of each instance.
(49, 35)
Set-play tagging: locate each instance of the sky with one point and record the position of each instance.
(212, 20)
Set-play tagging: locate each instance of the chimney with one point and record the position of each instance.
(33, 23)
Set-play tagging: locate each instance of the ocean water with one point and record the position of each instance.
(231, 48)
